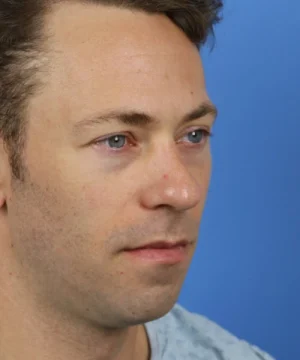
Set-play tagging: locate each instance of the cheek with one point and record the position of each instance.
(208, 172)
(207, 168)
(99, 198)
(92, 197)
(103, 210)
(202, 174)
(202, 171)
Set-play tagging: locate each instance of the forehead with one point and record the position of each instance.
(101, 56)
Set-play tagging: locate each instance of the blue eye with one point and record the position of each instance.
(197, 136)
(116, 141)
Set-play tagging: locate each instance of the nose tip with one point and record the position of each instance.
(181, 194)
(176, 181)
(185, 197)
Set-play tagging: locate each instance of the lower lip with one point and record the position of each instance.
(169, 256)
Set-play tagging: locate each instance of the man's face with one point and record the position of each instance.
(85, 201)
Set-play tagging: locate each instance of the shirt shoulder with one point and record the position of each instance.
(181, 334)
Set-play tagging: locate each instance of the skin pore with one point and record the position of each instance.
(67, 290)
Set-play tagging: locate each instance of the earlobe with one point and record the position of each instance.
(2, 187)
(2, 200)
(3, 173)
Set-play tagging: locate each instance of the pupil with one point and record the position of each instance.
(115, 141)
(194, 136)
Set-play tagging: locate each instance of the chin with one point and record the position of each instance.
(153, 310)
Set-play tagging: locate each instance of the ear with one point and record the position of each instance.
(4, 174)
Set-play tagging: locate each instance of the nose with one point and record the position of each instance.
(170, 183)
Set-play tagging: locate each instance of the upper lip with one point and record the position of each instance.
(161, 244)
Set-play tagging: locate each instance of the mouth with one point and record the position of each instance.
(163, 254)
(161, 244)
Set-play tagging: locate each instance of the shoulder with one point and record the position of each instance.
(183, 334)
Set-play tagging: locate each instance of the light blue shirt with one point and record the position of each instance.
(183, 335)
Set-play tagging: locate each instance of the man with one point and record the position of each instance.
(102, 104)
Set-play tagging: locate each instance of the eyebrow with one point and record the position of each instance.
(141, 119)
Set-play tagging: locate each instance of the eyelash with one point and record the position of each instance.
(99, 142)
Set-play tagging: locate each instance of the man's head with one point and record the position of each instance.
(77, 186)
(22, 51)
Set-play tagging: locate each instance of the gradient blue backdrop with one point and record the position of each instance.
(245, 273)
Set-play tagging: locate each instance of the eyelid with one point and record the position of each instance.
(204, 128)
(197, 128)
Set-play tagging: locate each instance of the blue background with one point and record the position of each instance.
(245, 272)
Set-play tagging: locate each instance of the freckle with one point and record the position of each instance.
(121, 273)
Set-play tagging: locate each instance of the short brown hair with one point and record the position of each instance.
(21, 39)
